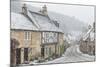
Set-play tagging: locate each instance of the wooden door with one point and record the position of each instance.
(25, 54)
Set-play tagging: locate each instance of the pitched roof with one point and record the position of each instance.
(45, 22)
(19, 21)
(33, 21)
(90, 34)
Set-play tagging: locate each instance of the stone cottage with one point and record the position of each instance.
(87, 43)
(34, 35)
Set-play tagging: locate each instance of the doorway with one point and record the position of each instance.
(14, 58)
(18, 55)
(42, 51)
(25, 54)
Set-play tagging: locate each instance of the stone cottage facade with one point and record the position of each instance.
(87, 43)
(34, 36)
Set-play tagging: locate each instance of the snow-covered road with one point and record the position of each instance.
(72, 54)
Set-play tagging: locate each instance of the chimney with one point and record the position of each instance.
(44, 10)
(24, 9)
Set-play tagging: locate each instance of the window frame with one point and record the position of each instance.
(46, 37)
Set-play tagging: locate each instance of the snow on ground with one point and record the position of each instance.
(72, 54)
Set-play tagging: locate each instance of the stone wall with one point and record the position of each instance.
(88, 47)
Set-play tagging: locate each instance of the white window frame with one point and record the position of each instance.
(46, 36)
(27, 35)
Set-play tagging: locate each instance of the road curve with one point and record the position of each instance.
(72, 54)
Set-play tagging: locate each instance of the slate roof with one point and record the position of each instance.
(34, 21)
(19, 21)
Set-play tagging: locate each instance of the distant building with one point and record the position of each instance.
(87, 44)
(34, 36)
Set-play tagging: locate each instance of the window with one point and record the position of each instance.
(49, 37)
(46, 51)
(50, 51)
(27, 36)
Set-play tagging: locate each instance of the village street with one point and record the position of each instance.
(72, 54)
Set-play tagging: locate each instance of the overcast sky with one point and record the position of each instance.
(83, 13)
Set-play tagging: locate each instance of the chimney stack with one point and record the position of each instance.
(44, 10)
(24, 9)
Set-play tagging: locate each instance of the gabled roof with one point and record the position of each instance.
(19, 21)
(90, 34)
(45, 23)
(33, 21)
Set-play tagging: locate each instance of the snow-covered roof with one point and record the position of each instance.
(90, 34)
(38, 21)
(19, 21)
(45, 23)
